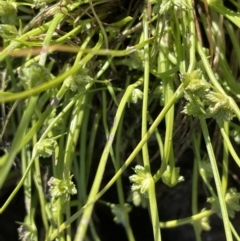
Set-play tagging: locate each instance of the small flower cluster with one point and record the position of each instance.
(46, 147)
(34, 75)
(118, 212)
(166, 6)
(235, 134)
(61, 189)
(8, 31)
(140, 184)
(232, 199)
(40, 3)
(204, 223)
(171, 177)
(140, 180)
(206, 169)
(135, 60)
(138, 199)
(79, 81)
(135, 96)
(8, 12)
(202, 100)
(26, 232)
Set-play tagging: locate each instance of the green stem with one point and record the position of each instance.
(225, 158)
(197, 159)
(15, 43)
(56, 20)
(183, 221)
(120, 189)
(8, 159)
(138, 148)
(217, 180)
(146, 162)
(209, 70)
(192, 38)
(228, 145)
(38, 183)
(87, 212)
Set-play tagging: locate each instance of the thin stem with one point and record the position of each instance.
(82, 227)
(138, 148)
(151, 190)
(225, 159)
(8, 159)
(217, 180)
(197, 159)
(183, 221)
